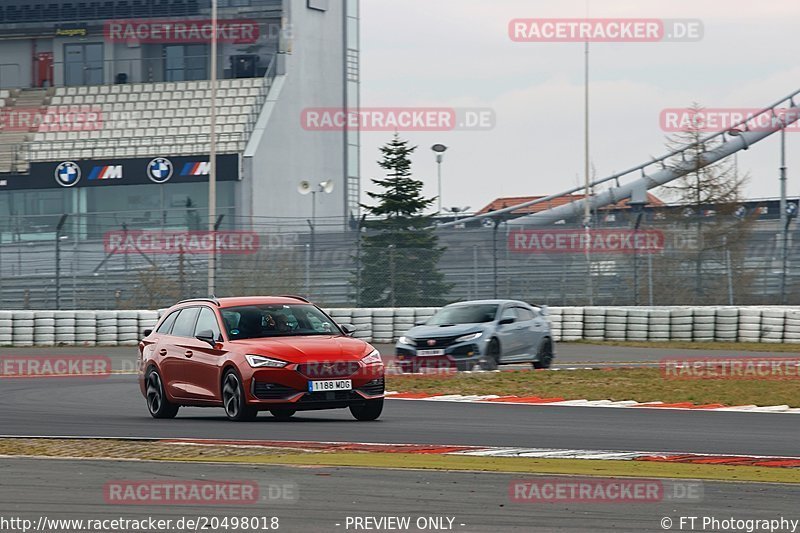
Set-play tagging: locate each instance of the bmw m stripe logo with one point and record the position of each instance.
(68, 174)
(202, 168)
(106, 173)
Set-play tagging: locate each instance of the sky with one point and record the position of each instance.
(458, 54)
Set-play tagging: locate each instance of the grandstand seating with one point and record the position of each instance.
(145, 120)
(141, 120)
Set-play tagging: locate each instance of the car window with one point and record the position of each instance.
(166, 325)
(510, 312)
(525, 314)
(276, 320)
(207, 320)
(464, 314)
(184, 324)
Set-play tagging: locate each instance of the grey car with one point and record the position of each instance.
(482, 333)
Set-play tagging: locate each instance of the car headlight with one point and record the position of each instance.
(259, 361)
(373, 358)
(470, 337)
(406, 340)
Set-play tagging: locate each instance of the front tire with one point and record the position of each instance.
(367, 411)
(491, 360)
(233, 399)
(283, 414)
(157, 402)
(545, 356)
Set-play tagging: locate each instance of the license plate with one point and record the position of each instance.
(428, 353)
(330, 385)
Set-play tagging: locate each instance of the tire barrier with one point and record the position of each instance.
(385, 325)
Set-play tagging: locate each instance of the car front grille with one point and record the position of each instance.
(273, 391)
(433, 343)
(331, 370)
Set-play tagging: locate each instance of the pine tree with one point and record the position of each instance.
(400, 250)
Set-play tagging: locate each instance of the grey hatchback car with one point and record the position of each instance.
(482, 333)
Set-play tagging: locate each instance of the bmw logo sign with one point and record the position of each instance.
(159, 170)
(68, 174)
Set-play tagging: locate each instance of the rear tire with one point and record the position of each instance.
(368, 411)
(283, 415)
(545, 356)
(157, 402)
(233, 399)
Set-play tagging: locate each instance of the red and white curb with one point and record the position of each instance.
(500, 451)
(771, 461)
(561, 402)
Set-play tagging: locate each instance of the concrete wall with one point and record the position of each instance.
(286, 153)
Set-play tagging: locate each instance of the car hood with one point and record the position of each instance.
(303, 349)
(436, 332)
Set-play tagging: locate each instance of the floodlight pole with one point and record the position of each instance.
(784, 220)
(212, 173)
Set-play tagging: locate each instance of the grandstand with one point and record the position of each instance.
(73, 92)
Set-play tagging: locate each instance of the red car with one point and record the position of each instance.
(277, 354)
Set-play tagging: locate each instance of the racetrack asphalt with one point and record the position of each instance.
(112, 406)
(123, 358)
(321, 498)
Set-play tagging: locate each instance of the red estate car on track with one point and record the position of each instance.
(277, 354)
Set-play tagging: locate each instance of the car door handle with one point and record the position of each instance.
(162, 352)
(188, 353)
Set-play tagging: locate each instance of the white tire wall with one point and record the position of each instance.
(681, 324)
(749, 325)
(773, 322)
(362, 320)
(637, 324)
(571, 323)
(594, 323)
(382, 325)
(726, 325)
(616, 324)
(404, 318)
(555, 318)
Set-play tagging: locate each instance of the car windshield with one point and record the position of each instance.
(464, 314)
(276, 320)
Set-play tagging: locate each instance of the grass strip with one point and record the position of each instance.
(639, 384)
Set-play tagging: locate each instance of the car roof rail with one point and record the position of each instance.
(294, 297)
(211, 299)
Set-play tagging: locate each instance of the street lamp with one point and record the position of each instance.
(456, 211)
(305, 188)
(439, 150)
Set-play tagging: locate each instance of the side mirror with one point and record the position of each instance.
(207, 336)
(506, 321)
(420, 322)
(348, 329)
(544, 310)
(147, 332)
